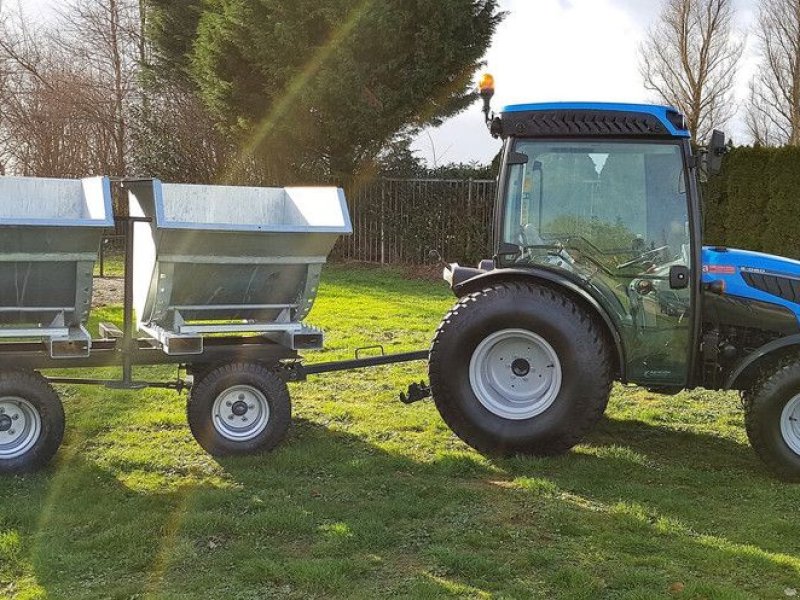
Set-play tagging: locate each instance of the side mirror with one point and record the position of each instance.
(678, 277)
(716, 150)
(517, 158)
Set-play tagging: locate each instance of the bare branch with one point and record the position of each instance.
(68, 89)
(689, 60)
(773, 111)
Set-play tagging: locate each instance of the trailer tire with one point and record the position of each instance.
(31, 421)
(239, 408)
(557, 360)
(772, 418)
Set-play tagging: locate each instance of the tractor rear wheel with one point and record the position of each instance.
(520, 368)
(772, 418)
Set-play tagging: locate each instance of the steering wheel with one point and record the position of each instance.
(643, 256)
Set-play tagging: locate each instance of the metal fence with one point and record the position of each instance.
(399, 221)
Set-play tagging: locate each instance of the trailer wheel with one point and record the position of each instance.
(772, 419)
(239, 408)
(31, 421)
(520, 368)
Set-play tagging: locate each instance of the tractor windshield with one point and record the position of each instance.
(613, 206)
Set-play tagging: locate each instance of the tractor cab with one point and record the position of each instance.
(603, 197)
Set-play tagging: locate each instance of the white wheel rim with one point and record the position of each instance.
(20, 427)
(240, 413)
(515, 374)
(790, 424)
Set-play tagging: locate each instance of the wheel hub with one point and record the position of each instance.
(515, 374)
(240, 413)
(790, 424)
(20, 427)
(520, 367)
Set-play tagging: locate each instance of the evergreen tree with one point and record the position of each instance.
(317, 88)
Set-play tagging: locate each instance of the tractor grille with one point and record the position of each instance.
(581, 123)
(783, 287)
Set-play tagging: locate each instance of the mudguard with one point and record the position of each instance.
(462, 287)
(752, 358)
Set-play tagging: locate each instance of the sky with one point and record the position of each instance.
(556, 50)
(565, 50)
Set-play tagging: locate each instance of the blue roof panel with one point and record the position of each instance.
(659, 112)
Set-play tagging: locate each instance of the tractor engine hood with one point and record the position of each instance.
(754, 275)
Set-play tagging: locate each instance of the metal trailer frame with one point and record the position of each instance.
(124, 349)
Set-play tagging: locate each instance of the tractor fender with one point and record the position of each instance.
(570, 286)
(751, 359)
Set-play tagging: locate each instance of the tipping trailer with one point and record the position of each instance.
(600, 274)
(217, 281)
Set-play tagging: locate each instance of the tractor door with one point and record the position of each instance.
(614, 214)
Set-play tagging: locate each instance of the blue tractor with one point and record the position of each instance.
(600, 274)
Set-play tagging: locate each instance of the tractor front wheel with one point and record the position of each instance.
(772, 418)
(520, 368)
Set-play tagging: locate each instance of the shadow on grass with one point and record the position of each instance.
(704, 483)
(329, 514)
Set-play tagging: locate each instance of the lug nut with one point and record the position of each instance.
(228, 403)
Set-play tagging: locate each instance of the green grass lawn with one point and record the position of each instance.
(370, 498)
(113, 263)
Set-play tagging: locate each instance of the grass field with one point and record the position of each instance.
(370, 498)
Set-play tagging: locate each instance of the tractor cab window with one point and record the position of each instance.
(614, 214)
(611, 202)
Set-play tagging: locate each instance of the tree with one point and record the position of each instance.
(773, 112)
(103, 37)
(68, 88)
(398, 159)
(318, 88)
(689, 59)
(172, 29)
(174, 138)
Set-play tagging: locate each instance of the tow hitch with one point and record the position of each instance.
(416, 392)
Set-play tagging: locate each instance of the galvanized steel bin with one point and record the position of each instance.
(217, 259)
(50, 234)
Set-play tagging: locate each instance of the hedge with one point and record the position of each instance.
(754, 203)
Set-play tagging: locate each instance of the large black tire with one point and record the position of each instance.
(31, 423)
(764, 405)
(237, 425)
(573, 333)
